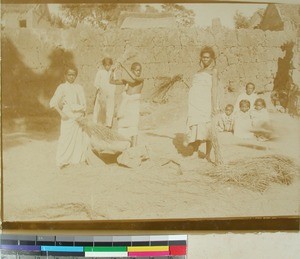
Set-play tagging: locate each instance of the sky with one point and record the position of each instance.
(206, 12)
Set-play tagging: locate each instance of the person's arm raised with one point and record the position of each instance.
(114, 81)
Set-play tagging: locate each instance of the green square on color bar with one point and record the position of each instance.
(105, 249)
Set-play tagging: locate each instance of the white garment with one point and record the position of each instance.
(107, 94)
(225, 122)
(199, 107)
(260, 118)
(244, 96)
(129, 115)
(243, 125)
(73, 141)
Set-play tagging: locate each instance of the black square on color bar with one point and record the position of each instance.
(45, 243)
(122, 244)
(177, 242)
(103, 244)
(141, 243)
(27, 242)
(83, 243)
(9, 242)
(62, 243)
(159, 243)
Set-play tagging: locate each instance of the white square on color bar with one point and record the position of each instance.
(103, 238)
(121, 238)
(177, 237)
(159, 238)
(105, 254)
(140, 238)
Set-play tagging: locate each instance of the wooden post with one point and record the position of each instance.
(214, 113)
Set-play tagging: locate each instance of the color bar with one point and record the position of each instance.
(150, 253)
(62, 248)
(148, 248)
(106, 254)
(177, 237)
(105, 249)
(177, 250)
(20, 247)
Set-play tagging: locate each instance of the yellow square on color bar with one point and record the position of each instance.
(147, 248)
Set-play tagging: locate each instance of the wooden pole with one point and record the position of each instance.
(214, 111)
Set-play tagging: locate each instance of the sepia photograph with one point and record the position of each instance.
(114, 111)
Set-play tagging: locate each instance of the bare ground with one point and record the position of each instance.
(35, 189)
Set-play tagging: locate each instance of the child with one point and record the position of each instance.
(242, 125)
(248, 95)
(105, 92)
(69, 101)
(260, 120)
(129, 110)
(225, 123)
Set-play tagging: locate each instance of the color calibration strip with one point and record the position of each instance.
(156, 246)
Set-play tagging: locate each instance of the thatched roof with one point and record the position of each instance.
(289, 12)
(256, 18)
(17, 8)
(278, 17)
(135, 20)
(40, 10)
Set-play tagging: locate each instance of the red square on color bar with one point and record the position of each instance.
(177, 250)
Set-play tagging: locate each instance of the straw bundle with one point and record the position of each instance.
(99, 131)
(256, 173)
(166, 85)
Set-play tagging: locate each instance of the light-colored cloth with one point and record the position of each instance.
(244, 96)
(105, 100)
(261, 124)
(105, 95)
(73, 141)
(225, 123)
(199, 108)
(128, 115)
(102, 80)
(243, 125)
(260, 118)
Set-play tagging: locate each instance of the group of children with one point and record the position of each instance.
(69, 101)
(248, 119)
(107, 78)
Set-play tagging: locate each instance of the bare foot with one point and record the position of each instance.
(207, 157)
(63, 166)
(201, 155)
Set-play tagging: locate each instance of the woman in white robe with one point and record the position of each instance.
(199, 103)
(69, 102)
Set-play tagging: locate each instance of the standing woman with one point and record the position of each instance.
(202, 102)
(69, 101)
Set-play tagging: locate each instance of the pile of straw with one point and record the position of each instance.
(99, 131)
(167, 84)
(257, 173)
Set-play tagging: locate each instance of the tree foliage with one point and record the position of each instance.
(184, 17)
(104, 15)
(241, 21)
(96, 15)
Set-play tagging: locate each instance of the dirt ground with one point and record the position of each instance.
(35, 189)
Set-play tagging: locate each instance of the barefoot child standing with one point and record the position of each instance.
(129, 111)
(69, 101)
(105, 92)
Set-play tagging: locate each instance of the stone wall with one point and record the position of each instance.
(242, 55)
